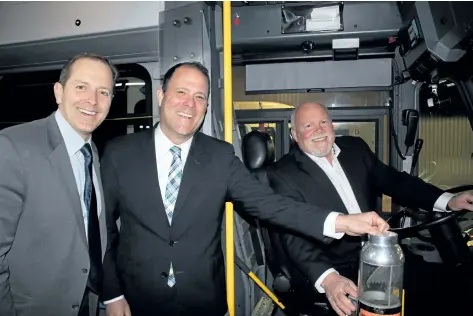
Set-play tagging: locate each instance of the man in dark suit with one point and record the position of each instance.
(344, 174)
(168, 187)
(52, 217)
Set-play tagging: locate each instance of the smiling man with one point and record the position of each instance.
(52, 217)
(168, 186)
(350, 177)
(84, 102)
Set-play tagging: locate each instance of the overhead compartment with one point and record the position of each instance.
(45, 34)
(309, 29)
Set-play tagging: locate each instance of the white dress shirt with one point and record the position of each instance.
(164, 157)
(339, 180)
(163, 161)
(74, 142)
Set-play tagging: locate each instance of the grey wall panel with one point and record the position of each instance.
(182, 41)
(132, 46)
(209, 58)
(332, 99)
(366, 73)
(175, 4)
(33, 21)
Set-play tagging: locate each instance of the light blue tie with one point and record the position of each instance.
(172, 190)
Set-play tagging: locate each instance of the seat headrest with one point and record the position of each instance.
(257, 150)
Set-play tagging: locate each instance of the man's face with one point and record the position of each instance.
(313, 130)
(85, 98)
(183, 105)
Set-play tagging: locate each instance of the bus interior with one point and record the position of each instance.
(397, 74)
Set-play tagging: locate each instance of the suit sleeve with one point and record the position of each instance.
(111, 288)
(12, 190)
(305, 254)
(258, 200)
(401, 186)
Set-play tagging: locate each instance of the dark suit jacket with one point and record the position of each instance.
(138, 256)
(295, 175)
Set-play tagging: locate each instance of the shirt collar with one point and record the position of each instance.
(164, 144)
(335, 150)
(74, 142)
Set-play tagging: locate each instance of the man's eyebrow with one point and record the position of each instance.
(203, 94)
(86, 83)
(187, 89)
(106, 88)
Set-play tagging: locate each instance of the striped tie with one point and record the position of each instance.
(174, 180)
(172, 189)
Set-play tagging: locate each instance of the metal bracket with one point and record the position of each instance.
(345, 48)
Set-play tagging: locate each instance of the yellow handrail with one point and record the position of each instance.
(266, 290)
(228, 133)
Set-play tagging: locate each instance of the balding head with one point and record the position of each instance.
(312, 129)
(304, 107)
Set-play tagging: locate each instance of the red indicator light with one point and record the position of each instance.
(237, 19)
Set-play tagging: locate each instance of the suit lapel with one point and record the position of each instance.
(323, 185)
(61, 162)
(193, 173)
(148, 175)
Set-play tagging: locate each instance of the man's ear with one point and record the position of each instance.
(160, 96)
(58, 92)
(293, 133)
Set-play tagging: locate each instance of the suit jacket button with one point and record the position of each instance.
(85, 271)
(172, 243)
(164, 275)
(75, 307)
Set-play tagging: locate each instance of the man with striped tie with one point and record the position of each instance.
(52, 216)
(168, 187)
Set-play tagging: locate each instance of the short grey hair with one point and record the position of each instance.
(66, 69)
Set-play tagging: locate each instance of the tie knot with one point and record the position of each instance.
(176, 152)
(86, 150)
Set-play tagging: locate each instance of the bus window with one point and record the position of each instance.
(29, 96)
(446, 156)
(365, 130)
(131, 109)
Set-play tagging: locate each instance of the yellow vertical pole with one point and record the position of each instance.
(228, 132)
(403, 302)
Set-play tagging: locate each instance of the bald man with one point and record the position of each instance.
(343, 174)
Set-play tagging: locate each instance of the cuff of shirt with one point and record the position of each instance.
(441, 203)
(329, 226)
(321, 278)
(113, 300)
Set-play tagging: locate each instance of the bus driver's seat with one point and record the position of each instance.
(258, 154)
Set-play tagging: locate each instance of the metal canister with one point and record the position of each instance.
(380, 279)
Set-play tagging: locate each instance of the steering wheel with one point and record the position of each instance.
(445, 233)
(438, 218)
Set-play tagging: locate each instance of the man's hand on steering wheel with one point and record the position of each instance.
(462, 201)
